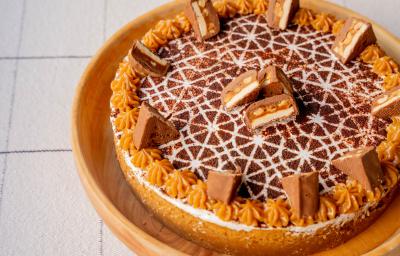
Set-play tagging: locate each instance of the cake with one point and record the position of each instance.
(287, 185)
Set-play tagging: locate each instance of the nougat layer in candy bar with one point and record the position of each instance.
(145, 62)
(273, 81)
(387, 104)
(354, 37)
(270, 110)
(243, 89)
(281, 12)
(203, 17)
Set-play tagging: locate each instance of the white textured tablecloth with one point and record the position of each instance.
(44, 47)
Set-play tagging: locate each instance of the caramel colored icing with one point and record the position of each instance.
(393, 130)
(385, 66)
(348, 197)
(327, 209)
(374, 196)
(126, 120)
(337, 27)
(371, 54)
(260, 6)
(244, 7)
(301, 222)
(277, 213)
(389, 150)
(198, 195)
(183, 22)
(153, 39)
(125, 100)
(179, 183)
(391, 81)
(158, 171)
(126, 80)
(144, 157)
(126, 140)
(226, 8)
(303, 17)
(323, 22)
(227, 212)
(251, 213)
(168, 29)
(390, 173)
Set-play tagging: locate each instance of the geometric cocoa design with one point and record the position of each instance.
(334, 102)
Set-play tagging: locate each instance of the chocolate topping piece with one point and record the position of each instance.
(223, 185)
(387, 104)
(270, 111)
(203, 17)
(303, 193)
(152, 129)
(241, 90)
(281, 12)
(273, 81)
(362, 165)
(354, 37)
(145, 62)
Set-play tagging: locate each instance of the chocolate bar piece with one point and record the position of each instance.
(273, 81)
(362, 165)
(152, 128)
(203, 17)
(145, 62)
(281, 12)
(354, 37)
(387, 104)
(223, 186)
(241, 90)
(270, 110)
(303, 193)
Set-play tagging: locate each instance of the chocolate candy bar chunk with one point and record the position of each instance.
(362, 165)
(270, 111)
(303, 193)
(354, 37)
(243, 89)
(203, 17)
(223, 186)
(273, 81)
(387, 104)
(145, 62)
(152, 128)
(281, 12)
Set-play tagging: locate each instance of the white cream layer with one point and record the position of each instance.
(263, 120)
(246, 91)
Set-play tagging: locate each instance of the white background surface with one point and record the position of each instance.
(44, 47)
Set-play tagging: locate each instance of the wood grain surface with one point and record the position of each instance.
(92, 141)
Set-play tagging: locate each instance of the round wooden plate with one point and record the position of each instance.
(93, 148)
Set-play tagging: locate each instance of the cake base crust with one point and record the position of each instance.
(254, 242)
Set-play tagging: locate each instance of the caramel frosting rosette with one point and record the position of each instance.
(158, 171)
(323, 22)
(260, 6)
(126, 140)
(144, 157)
(348, 197)
(391, 173)
(337, 27)
(374, 196)
(251, 213)
(125, 100)
(244, 7)
(153, 39)
(179, 183)
(168, 29)
(391, 81)
(182, 21)
(227, 212)
(122, 84)
(327, 209)
(388, 151)
(198, 195)
(276, 213)
(301, 222)
(126, 120)
(385, 66)
(371, 54)
(393, 130)
(226, 8)
(303, 17)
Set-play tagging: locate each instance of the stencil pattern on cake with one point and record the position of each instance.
(334, 102)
